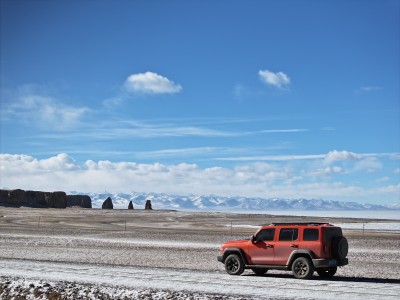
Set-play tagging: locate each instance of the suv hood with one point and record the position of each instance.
(234, 243)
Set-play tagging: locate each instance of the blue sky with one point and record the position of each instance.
(251, 98)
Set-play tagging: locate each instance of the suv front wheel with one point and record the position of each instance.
(234, 265)
(302, 268)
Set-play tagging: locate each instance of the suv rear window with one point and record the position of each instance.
(288, 234)
(310, 235)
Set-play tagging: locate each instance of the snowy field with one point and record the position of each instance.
(97, 254)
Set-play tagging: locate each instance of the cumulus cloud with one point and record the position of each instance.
(151, 83)
(278, 79)
(258, 179)
(335, 155)
(15, 164)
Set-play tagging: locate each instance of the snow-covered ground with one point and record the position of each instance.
(378, 226)
(170, 255)
(135, 279)
(25, 288)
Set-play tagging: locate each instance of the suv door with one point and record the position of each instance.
(288, 240)
(261, 250)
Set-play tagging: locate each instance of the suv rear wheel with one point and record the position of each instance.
(327, 272)
(234, 265)
(302, 268)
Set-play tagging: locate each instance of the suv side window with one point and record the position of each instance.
(266, 235)
(310, 235)
(288, 234)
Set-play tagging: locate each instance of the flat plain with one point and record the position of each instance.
(173, 254)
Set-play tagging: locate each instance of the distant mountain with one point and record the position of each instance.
(220, 203)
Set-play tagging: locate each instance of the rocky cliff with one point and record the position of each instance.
(79, 200)
(37, 199)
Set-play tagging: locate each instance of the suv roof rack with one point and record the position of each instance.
(302, 223)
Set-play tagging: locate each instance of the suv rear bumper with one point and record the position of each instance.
(220, 258)
(326, 263)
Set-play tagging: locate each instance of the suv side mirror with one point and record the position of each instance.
(253, 239)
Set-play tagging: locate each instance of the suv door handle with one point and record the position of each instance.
(269, 246)
(294, 246)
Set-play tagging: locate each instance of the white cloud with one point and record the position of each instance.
(383, 179)
(397, 171)
(274, 157)
(260, 179)
(327, 171)
(43, 111)
(341, 155)
(369, 164)
(112, 102)
(278, 79)
(15, 164)
(151, 83)
(284, 130)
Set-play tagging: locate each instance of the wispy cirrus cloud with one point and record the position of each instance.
(327, 158)
(42, 111)
(369, 88)
(151, 83)
(278, 79)
(273, 157)
(284, 130)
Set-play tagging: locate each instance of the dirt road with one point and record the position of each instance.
(264, 287)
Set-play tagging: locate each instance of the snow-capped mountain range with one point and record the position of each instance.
(220, 203)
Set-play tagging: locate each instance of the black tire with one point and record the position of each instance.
(327, 272)
(340, 247)
(303, 268)
(234, 265)
(259, 271)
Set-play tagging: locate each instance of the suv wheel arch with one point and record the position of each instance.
(299, 253)
(237, 251)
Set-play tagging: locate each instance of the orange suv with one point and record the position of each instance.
(300, 247)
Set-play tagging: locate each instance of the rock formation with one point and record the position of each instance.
(130, 205)
(37, 199)
(79, 200)
(148, 205)
(107, 204)
(56, 199)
